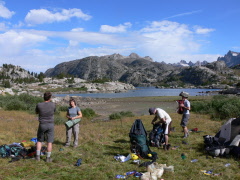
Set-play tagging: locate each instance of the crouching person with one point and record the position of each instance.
(45, 111)
(163, 118)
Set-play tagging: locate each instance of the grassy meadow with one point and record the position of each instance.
(100, 141)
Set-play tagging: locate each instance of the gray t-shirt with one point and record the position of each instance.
(73, 112)
(46, 112)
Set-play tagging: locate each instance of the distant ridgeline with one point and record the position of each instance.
(231, 59)
(143, 71)
(135, 70)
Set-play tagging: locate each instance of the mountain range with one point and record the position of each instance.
(143, 71)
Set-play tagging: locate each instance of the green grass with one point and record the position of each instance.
(101, 141)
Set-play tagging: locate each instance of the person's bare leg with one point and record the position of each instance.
(185, 130)
(38, 150)
(49, 147)
(49, 151)
(166, 139)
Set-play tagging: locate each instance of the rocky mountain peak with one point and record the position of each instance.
(231, 58)
(148, 58)
(134, 56)
(115, 56)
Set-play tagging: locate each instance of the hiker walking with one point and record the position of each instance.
(162, 117)
(186, 113)
(73, 113)
(45, 111)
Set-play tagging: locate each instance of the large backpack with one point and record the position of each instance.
(5, 151)
(138, 140)
(156, 136)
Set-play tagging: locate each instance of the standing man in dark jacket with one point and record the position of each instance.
(45, 110)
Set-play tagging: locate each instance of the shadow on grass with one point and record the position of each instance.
(121, 141)
(114, 150)
(59, 142)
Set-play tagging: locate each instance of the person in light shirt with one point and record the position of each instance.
(186, 113)
(162, 117)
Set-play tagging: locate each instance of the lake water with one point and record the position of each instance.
(143, 92)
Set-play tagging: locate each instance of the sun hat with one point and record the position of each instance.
(184, 94)
(151, 111)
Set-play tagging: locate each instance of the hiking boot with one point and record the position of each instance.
(186, 135)
(168, 146)
(37, 157)
(48, 159)
(165, 147)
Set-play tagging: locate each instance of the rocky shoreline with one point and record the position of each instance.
(57, 85)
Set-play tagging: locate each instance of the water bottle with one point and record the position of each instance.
(130, 173)
(194, 160)
(183, 156)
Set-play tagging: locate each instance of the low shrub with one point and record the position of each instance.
(24, 102)
(121, 115)
(115, 116)
(88, 113)
(219, 107)
(15, 104)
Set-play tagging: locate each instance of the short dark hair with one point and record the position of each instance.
(47, 96)
(72, 100)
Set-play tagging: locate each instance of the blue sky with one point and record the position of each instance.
(38, 35)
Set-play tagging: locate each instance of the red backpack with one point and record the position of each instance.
(180, 109)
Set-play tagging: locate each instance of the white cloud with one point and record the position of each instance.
(115, 29)
(13, 43)
(161, 40)
(77, 30)
(166, 38)
(5, 12)
(41, 16)
(200, 30)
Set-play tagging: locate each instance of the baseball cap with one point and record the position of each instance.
(151, 111)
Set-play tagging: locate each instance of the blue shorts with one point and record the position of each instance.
(45, 132)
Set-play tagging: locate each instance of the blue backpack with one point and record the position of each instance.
(5, 151)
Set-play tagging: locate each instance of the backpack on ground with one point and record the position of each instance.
(139, 142)
(156, 136)
(213, 147)
(5, 151)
